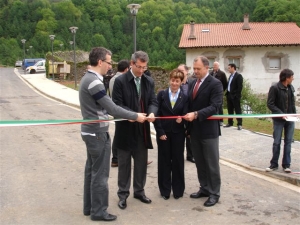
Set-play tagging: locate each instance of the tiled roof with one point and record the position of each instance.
(232, 35)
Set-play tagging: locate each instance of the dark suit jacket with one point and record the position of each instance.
(126, 96)
(220, 75)
(165, 109)
(207, 102)
(236, 86)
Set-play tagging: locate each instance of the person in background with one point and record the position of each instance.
(170, 136)
(185, 85)
(281, 100)
(205, 98)
(134, 91)
(234, 95)
(122, 67)
(95, 105)
(147, 72)
(220, 75)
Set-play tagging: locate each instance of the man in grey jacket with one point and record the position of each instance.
(95, 105)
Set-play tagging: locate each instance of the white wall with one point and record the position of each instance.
(254, 70)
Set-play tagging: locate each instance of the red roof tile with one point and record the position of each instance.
(232, 35)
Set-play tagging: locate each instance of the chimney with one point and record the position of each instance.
(192, 31)
(246, 25)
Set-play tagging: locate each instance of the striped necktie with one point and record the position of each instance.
(138, 85)
(196, 88)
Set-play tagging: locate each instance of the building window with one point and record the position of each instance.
(236, 61)
(274, 63)
(211, 63)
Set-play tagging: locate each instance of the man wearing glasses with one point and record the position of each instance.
(95, 104)
(134, 91)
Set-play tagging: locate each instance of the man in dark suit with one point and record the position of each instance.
(185, 85)
(205, 99)
(220, 75)
(134, 91)
(234, 94)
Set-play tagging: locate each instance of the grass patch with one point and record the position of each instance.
(261, 125)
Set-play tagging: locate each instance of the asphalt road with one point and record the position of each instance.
(42, 176)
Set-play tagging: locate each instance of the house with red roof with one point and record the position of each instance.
(260, 49)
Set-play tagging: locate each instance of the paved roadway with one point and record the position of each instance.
(42, 174)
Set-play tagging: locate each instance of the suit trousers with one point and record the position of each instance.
(171, 164)
(206, 154)
(95, 196)
(234, 105)
(189, 153)
(139, 153)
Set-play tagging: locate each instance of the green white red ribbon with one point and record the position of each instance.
(21, 123)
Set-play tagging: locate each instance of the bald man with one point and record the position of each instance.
(220, 75)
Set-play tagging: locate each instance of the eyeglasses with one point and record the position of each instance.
(141, 67)
(109, 63)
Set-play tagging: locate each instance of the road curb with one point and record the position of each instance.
(290, 178)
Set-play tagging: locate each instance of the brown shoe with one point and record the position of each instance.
(114, 164)
(149, 162)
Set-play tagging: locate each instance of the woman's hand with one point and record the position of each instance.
(179, 120)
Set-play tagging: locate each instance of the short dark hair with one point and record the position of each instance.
(285, 73)
(176, 73)
(184, 66)
(123, 65)
(232, 65)
(98, 53)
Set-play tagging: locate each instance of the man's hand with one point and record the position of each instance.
(190, 116)
(163, 137)
(141, 117)
(151, 118)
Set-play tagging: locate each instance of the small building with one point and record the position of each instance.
(260, 49)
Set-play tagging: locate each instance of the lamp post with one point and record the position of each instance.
(23, 41)
(61, 45)
(30, 48)
(133, 10)
(52, 39)
(73, 31)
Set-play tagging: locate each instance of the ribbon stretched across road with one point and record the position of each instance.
(21, 123)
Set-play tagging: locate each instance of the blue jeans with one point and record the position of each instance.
(278, 127)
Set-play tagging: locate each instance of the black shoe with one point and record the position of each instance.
(198, 195)
(228, 125)
(191, 159)
(86, 213)
(177, 196)
(143, 199)
(122, 204)
(108, 217)
(165, 197)
(114, 164)
(211, 201)
(271, 168)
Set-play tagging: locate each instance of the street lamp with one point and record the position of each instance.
(133, 10)
(23, 41)
(52, 39)
(30, 48)
(73, 31)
